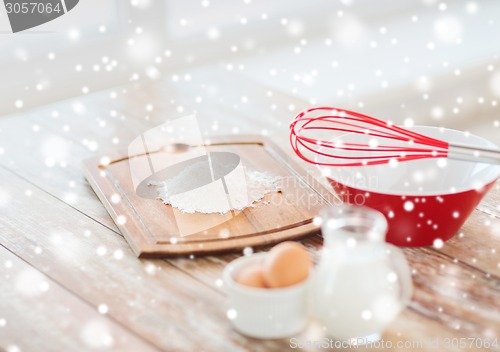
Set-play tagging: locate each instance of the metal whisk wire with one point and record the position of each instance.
(404, 145)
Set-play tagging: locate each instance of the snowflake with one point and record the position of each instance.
(408, 205)
(247, 251)
(30, 283)
(102, 308)
(4, 198)
(96, 335)
(231, 314)
(118, 254)
(438, 243)
(448, 29)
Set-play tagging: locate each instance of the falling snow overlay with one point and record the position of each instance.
(84, 85)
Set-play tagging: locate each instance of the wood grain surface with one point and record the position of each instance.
(54, 228)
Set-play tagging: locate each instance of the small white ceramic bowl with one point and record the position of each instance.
(265, 313)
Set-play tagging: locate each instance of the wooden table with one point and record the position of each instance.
(69, 281)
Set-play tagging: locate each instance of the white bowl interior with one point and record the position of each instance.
(232, 270)
(418, 177)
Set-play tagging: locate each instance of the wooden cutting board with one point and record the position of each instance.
(154, 229)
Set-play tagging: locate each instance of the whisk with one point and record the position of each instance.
(370, 141)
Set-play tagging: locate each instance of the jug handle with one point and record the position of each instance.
(403, 271)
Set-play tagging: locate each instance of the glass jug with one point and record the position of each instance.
(361, 282)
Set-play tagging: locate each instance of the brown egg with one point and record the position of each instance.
(252, 276)
(286, 264)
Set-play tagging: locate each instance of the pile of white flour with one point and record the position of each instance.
(240, 189)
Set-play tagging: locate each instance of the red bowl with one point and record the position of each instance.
(423, 200)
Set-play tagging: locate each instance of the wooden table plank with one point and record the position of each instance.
(26, 153)
(477, 244)
(458, 296)
(424, 317)
(214, 270)
(491, 203)
(151, 297)
(37, 314)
